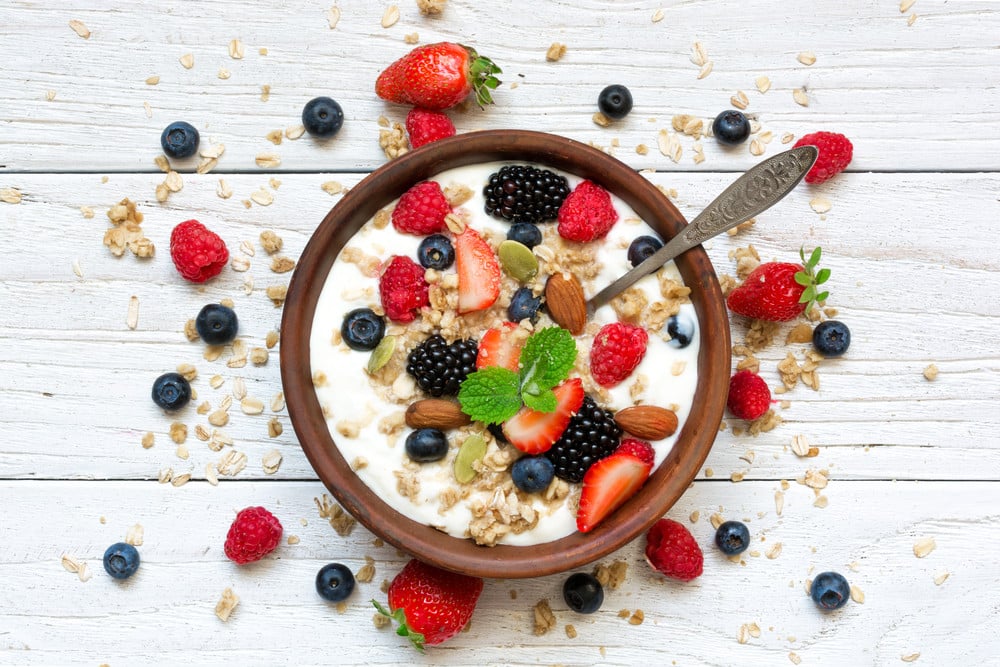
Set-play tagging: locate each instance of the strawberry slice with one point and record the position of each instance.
(534, 432)
(499, 347)
(478, 272)
(607, 485)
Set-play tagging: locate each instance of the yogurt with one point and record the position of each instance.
(365, 412)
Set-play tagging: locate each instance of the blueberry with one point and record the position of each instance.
(615, 101)
(831, 338)
(217, 324)
(362, 329)
(436, 252)
(532, 474)
(322, 117)
(681, 330)
(524, 305)
(334, 582)
(731, 127)
(830, 591)
(179, 139)
(525, 233)
(121, 560)
(583, 593)
(732, 537)
(426, 444)
(641, 248)
(171, 391)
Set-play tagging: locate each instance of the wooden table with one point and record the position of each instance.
(910, 236)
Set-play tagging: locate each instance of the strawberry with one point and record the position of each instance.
(478, 272)
(835, 153)
(425, 126)
(749, 396)
(616, 351)
(499, 347)
(640, 449)
(431, 605)
(672, 551)
(534, 432)
(780, 291)
(421, 210)
(587, 213)
(402, 289)
(438, 76)
(607, 485)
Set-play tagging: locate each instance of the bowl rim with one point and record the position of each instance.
(667, 483)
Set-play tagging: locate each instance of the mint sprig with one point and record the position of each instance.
(494, 394)
(811, 279)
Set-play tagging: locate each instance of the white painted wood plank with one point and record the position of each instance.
(911, 97)
(164, 615)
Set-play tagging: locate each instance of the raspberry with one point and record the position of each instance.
(198, 253)
(640, 449)
(749, 396)
(254, 534)
(617, 350)
(672, 551)
(587, 213)
(425, 126)
(421, 210)
(403, 289)
(835, 152)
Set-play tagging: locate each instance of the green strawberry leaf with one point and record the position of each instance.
(399, 616)
(822, 276)
(809, 278)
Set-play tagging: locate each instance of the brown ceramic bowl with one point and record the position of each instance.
(667, 483)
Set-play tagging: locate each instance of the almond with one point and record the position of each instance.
(566, 303)
(436, 413)
(647, 421)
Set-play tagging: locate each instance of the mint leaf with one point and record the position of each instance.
(490, 395)
(546, 359)
(542, 402)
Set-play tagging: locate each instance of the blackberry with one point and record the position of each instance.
(438, 367)
(519, 193)
(591, 435)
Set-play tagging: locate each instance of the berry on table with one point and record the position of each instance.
(179, 140)
(439, 367)
(424, 126)
(830, 591)
(421, 210)
(587, 214)
(780, 291)
(522, 193)
(197, 252)
(436, 252)
(523, 305)
(217, 324)
(732, 537)
(525, 233)
(831, 338)
(617, 350)
(426, 444)
(583, 593)
(402, 289)
(171, 391)
(532, 474)
(749, 396)
(362, 329)
(672, 551)
(121, 560)
(615, 101)
(641, 248)
(731, 127)
(835, 153)
(334, 582)
(680, 327)
(591, 434)
(254, 533)
(438, 76)
(322, 117)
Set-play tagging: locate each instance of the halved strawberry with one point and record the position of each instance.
(478, 272)
(534, 432)
(499, 347)
(607, 485)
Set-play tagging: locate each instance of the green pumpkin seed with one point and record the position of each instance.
(473, 449)
(518, 261)
(381, 354)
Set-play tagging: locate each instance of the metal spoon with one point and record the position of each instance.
(754, 192)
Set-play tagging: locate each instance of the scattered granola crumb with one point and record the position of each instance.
(381, 621)
(332, 187)
(820, 205)
(794, 657)
(277, 293)
(556, 52)
(341, 521)
(134, 535)
(570, 631)
(132, 316)
(800, 97)
(178, 432)
(763, 84)
(80, 28)
(236, 49)
(601, 120)
(910, 20)
(924, 546)
(545, 620)
(227, 603)
(187, 60)
(857, 594)
(821, 502)
(941, 578)
(431, 7)
(367, 572)
(333, 16)
(265, 94)
(912, 657)
(390, 16)
(904, 5)
(411, 38)
(931, 373)
(393, 142)
(807, 58)
(637, 617)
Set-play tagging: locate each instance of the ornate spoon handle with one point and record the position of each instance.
(754, 192)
